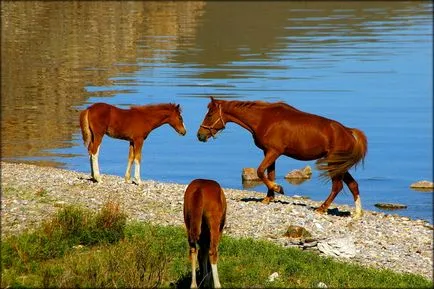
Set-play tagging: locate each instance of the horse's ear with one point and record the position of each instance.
(213, 102)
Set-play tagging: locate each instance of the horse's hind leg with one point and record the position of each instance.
(129, 163)
(193, 259)
(213, 252)
(354, 188)
(336, 188)
(93, 156)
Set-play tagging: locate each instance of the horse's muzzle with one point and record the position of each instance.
(202, 137)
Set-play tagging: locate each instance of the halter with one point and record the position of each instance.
(211, 127)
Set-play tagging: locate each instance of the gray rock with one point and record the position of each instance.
(273, 277)
(249, 174)
(390, 206)
(297, 232)
(304, 173)
(423, 185)
(338, 247)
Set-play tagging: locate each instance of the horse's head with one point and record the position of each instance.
(175, 120)
(212, 123)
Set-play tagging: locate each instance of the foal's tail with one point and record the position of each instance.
(85, 128)
(338, 163)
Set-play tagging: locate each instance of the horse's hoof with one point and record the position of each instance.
(278, 189)
(137, 182)
(267, 200)
(320, 211)
(357, 215)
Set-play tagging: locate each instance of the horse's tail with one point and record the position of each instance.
(338, 163)
(85, 128)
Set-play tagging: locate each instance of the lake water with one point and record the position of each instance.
(365, 64)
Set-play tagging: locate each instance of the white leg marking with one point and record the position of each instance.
(359, 211)
(215, 276)
(137, 172)
(95, 167)
(193, 269)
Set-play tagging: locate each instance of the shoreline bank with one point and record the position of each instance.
(32, 193)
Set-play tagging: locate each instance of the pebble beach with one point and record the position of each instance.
(31, 194)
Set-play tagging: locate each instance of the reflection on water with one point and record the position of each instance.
(52, 50)
(364, 63)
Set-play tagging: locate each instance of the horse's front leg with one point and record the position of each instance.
(137, 158)
(271, 172)
(129, 163)
(269, 163)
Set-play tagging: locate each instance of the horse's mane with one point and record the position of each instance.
(162, 106)
(260, 104)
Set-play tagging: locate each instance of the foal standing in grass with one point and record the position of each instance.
(204, 217)
(133, 125)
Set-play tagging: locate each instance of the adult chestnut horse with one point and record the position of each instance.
(133, 125)
(280, 129)
(204, 217)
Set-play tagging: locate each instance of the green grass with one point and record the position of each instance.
(78, 248)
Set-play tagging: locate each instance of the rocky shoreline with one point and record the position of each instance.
(31, 194)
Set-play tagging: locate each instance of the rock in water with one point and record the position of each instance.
(305, 173)
(249, 174)
(423, 185)
(390, 206)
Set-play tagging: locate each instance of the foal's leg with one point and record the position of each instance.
(354, 188)
(269, 160)
(138, 143)
(93, 155)
(129, 163)
(193, 259)
(213, 252)
(336, 188)
(204, 264)
(271, 171)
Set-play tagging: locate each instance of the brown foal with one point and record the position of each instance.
(204, 217)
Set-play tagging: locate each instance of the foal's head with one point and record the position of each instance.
(212, 123)
(175, 119)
